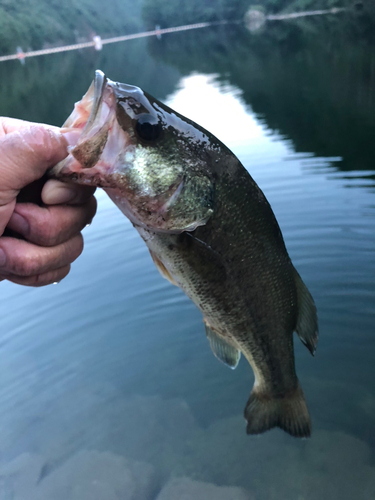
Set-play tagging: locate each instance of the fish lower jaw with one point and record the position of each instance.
(71, 170)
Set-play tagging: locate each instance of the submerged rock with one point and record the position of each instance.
(88, 475)
(20, 477)
(93, 475)
(187, 489)
(332, 465)
(165, 434)
(146, 428)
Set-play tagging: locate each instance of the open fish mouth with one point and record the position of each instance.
(86, 110)
(99, 136)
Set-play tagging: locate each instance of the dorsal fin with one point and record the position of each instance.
(307, 322)
(224, 351)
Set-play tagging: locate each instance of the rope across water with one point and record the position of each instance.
(77, 46)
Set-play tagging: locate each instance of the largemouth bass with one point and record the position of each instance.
(210, 231)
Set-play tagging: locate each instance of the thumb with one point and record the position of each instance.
(26, 154)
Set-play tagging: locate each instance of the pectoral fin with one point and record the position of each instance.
(162, 269)
(307, 322)
(225, 352)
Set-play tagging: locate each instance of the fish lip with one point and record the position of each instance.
(100, 82)
(91, 116)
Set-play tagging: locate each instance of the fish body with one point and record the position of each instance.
(210, 231)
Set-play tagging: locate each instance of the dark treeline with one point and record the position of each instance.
(166, 13)
(32, 25)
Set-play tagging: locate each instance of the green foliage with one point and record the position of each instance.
(166, 13)
(179, 12)
(302, 5)
(34, 23)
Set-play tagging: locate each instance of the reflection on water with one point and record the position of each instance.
(45, 88)
(313, 81)
(108, 388)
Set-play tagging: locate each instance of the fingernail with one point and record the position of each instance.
(3, 258)
(59, 194)
(19, 224)
(71, 135)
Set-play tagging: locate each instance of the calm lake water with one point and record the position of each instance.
(112, 365)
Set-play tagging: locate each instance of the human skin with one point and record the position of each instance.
(41, 236)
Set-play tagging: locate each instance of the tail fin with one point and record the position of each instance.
(263, 412)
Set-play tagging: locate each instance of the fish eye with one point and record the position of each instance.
(148, 127)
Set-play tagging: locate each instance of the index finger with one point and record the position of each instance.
(9, 125)
(26, 153)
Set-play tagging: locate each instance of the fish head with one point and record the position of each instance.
(153, 163)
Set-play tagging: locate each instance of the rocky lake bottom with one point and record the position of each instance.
(154, 449)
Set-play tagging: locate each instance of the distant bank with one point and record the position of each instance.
(51, 24)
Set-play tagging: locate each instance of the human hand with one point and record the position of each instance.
(49, 232)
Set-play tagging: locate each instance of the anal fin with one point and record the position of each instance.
(162, 269)
(225, 352)
(307, 322)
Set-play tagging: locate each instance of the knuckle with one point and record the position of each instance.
(36, 280)
(94, 205)
(25, 265)
(43, 279)
(83, 195)
(45, 229)
(45, 235)
(78, 246)
(91, 208)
